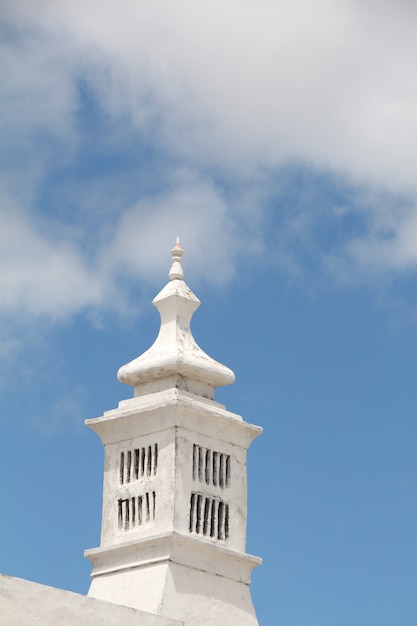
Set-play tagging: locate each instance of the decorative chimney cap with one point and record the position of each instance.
(175, 360)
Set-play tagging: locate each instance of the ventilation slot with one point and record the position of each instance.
(211, 467)
(209, 517)
(134, 512)
(138, 463)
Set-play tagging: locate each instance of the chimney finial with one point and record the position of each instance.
(176, 269)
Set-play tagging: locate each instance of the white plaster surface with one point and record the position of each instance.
(175, 423)
(196, 597)
(24, 603)
(175, 352)
(176, 548)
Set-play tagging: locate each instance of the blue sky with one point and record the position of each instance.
(278, 140)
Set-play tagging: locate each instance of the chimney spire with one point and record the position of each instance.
(175, 359)
(176, 268)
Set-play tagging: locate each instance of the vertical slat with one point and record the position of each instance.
(208, 467)
(213, 526)
(133, 517)
(221, 470)
(142, 462)
(120, 514)
(228, 468)
(136, 469)
(122, 467)
(149, 465)
(128, 466)
(215, 468)
(153, 504)
(148, 510)
(126, 514)
(155, 463)
(200, 463)
(220, 521)
(199, 518)
(192, 512)
(140, 510)
(207, 516)
(194, 461)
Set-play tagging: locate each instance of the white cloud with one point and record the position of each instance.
(45, 270)
(331, 83)
(241, 86)
(39, 95)
(194, 210)
(38, 274)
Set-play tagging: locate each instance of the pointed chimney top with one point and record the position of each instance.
(176, 269)
(175, 360)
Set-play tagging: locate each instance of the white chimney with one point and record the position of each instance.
(173, 532)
